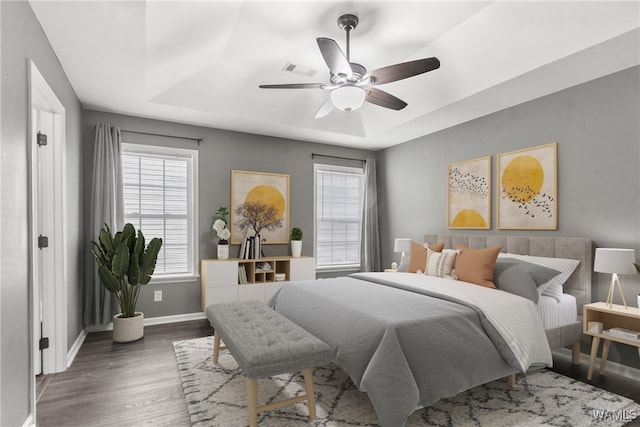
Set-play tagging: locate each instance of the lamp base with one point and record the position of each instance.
(615, 280)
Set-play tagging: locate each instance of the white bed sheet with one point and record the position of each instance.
(556, 313)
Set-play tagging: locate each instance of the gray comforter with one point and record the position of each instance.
(406, 348)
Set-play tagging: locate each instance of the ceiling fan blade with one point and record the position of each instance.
(294, 86)
(333, 56)
(403, 70)
(324, 110)
(384, 99)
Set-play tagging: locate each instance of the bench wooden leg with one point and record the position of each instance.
(252, 401)
(252, 398)
(511, 380)
(216, 346)
(575, 353)
(311, 400)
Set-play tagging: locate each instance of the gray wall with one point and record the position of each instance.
(219, 153)
(23, 40)
(597, 128)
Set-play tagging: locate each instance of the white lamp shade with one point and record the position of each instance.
(348, 98)
(612, 260)
(402, 245)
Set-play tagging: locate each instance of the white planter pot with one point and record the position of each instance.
(296, 248)
(127, 329)
(223, 252)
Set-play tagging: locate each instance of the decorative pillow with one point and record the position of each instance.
(521, 277)
(418, 257)
(440, 264)
(476, 265)
(565, 266)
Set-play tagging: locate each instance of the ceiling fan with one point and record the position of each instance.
(350, 83)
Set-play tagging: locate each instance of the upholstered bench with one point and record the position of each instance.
(265, 343)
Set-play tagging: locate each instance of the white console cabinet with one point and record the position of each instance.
(220, 280)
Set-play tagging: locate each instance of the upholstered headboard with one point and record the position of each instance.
(578, 285)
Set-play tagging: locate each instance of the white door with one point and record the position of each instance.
(47, 230)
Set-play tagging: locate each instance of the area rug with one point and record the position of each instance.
(216, 396)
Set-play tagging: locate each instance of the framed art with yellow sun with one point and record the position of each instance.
(259, 206)
(469, 194)
(527, 198)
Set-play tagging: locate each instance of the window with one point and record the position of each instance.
(160, 199)
(339, 197)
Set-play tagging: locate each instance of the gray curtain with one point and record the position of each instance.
(107, 207)
(370, 239)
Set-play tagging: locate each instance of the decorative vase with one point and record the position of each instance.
(127, 329)
(223, 250)
(296, 248)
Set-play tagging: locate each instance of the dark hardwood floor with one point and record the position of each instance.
(138, 383)
(130, 384)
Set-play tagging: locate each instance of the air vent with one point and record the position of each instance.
(299, 69)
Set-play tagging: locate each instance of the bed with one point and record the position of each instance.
(408, 339)
(562, 328)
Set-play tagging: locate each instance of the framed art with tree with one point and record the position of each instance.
(259, 206)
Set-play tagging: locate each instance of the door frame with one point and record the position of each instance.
(54, 301)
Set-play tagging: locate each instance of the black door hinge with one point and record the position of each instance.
(42, 139)
(44, 343)
(43, 242)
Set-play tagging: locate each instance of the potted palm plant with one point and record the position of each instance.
(296, 242)
(124, 265)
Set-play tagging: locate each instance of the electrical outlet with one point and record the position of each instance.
(157, 296)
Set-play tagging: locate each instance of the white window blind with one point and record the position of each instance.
(159, 200)
(339, 196)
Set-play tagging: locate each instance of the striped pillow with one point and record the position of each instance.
(565, 266)
(440, 264)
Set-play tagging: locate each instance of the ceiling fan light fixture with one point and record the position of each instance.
(348, 98)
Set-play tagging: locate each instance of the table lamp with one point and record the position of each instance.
(614, 261)
(402, 245)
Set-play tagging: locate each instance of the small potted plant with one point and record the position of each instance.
(296, 242)
(124, 264)
(220, 227)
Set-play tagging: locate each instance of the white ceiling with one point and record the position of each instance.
(201, 62)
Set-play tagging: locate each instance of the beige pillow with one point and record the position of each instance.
(476, 265)
(440, 264)
(418, 256)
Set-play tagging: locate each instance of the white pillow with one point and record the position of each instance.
(440, 264)
(554, 291)
(553, 287)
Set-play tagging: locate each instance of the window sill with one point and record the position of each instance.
(190, 278)
(338, 268)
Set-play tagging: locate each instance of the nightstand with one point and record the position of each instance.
(616, 316)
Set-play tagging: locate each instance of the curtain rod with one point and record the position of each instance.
(199, 140)
(313, 155)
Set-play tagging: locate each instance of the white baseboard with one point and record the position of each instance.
(614, 367)
(75, 348)
(29, 421)
(174, 319)
(153, 321)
